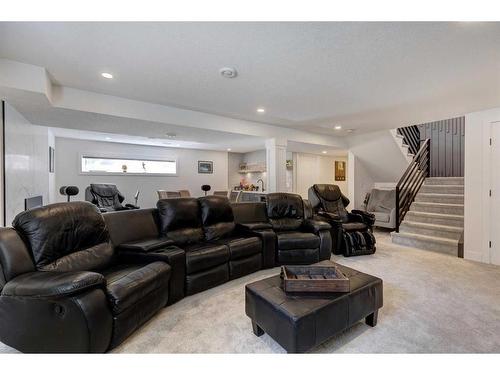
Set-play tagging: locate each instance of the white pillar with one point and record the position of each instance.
(276, 164)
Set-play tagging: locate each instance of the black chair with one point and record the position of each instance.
(69, 191)
(351, 231)
(299, 239)
(107, 197)
(206, 188)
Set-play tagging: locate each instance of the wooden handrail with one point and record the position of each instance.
(410, 182)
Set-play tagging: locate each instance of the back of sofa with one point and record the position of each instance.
(132, 225)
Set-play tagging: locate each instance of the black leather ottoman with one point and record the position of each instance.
(301, 322)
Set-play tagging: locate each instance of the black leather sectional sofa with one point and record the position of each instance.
(75, 280)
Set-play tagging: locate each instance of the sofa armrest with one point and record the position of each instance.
(172, 255)
(316, 226)
(45, 284)
(56, 312)
(257, 225)
(268, 238)
(146, 245)
(133, 206)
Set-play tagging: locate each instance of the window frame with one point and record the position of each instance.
(123, 157)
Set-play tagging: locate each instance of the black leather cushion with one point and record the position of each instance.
(285, 211)
(146, 245)
(217, 217)
(128, 284)
(53, 284)
(297, 240)
(94, 258)
(241, 247)
(207, 279)
(180, 220)
(203, 256)
(15, 258)
(316, 225)
(257, 226)
(298, 256)
(354, 226)
(244, 266)
(60, 229)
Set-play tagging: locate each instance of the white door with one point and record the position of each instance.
(495, 194)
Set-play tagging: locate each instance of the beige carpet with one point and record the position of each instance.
(433, 303)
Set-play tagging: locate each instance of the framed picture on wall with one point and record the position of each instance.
(339, 170)
(206, 167)
(51, 159)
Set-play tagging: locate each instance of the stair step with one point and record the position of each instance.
(444, 180)
(435, 218)
(438, 208)
(433, 230)
(442, 189)
(440, 198)
(439, 244)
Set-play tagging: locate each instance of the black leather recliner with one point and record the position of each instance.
(351, 231)
(299, 240)
(107, 197)
(63, 287)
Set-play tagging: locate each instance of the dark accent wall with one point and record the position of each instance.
(447, 146)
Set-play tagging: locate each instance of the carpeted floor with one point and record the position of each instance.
(433, 303)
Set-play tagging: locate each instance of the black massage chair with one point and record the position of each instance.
(107, 197)
(351, 231)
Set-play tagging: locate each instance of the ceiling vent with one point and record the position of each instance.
(228, 72)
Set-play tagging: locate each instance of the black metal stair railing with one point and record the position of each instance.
(411, 181)
(411, 136)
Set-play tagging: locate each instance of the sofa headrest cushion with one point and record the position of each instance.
(178, 213)
(60, 229)
(285, 205)
(215, 209)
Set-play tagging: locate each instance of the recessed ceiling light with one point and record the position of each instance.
(229, 149)
(228, 72)
(261, 110)
(107, 75)
(338, 127)
(108, 138)
(323, 152)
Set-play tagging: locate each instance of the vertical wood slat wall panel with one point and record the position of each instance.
(447, 146)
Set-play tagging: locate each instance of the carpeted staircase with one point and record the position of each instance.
(436, 217)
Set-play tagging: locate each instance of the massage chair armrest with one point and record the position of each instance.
(315, 226)
(367, 217)
(49, 285)
(332, 219)
(132, 206)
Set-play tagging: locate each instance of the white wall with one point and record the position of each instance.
(27, 160)
(1, 165)
(68, 153)
(478, 204)
(310, 169)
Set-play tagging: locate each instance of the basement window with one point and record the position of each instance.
(123, 166)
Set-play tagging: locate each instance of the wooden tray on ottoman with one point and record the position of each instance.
(314, 279)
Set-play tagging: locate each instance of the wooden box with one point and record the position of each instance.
(314, 279)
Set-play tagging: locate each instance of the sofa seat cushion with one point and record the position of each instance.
(383, 217)
(242, 247)
(297, 240)
(146, 245)
(202, 256)
(354, 227)
(128, 284)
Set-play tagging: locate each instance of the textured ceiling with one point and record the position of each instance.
(307, 75)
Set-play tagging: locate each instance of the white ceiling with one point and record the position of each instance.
(307, 75)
